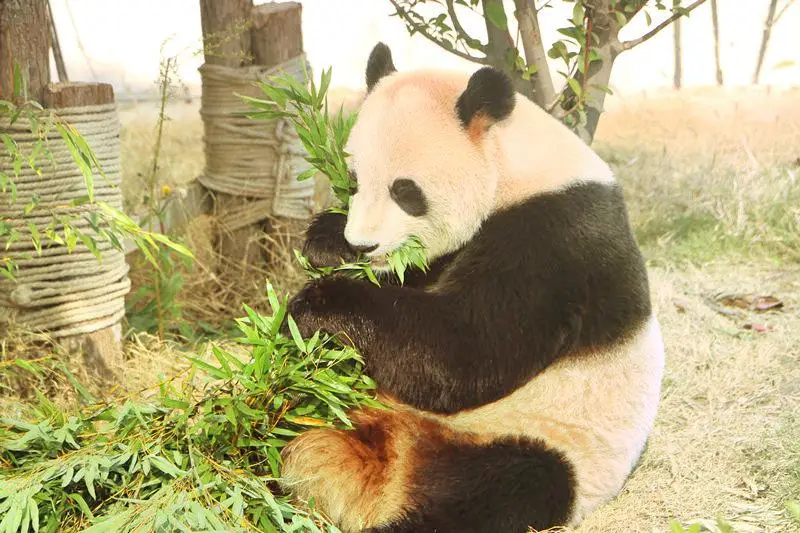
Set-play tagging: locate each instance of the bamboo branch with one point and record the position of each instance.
(627, 45)
(422, 30)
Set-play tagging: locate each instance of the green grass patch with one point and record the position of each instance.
(688, 211)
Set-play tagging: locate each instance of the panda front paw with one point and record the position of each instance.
(325, 245)
(330, 304)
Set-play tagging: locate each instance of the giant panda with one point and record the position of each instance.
(523, 370)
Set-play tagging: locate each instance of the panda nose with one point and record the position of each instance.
(363, 248)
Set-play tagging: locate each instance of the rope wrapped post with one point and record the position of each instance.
(72, 296)
(251, 166)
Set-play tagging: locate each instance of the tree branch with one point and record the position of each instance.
(460, 31)
(780, 13)
(532, 44)
(627, 45)
(422, 30)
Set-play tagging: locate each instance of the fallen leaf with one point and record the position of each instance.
(733, 300)
(759, 328)
(765, 303)
(749, 301)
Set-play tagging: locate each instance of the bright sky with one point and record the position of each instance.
(121, 42)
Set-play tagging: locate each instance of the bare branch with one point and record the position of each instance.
(765, 40)
(627, 45)
(460, 31)
(587, 52)
(782, 11)
(422, 30)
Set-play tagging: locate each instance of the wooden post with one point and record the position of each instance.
(276, 37)
(101, 350)
(226, 42)
(237, 34)
(226, 35)
(24, 39)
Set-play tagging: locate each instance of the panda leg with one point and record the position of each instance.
(398, 472)
(503, 487)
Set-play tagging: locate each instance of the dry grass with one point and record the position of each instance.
(726, 440)
(181, 159)
(711, 179)
(708, 174)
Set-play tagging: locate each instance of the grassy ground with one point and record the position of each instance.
(712, 183)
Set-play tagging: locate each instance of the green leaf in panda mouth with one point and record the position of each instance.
(411, 254)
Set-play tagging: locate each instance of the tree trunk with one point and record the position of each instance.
(765, 40)
(715, 24)
(677, 78)
(24, 39)
(605, 28)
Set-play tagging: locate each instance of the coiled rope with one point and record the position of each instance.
(260, 159)
(57, 291)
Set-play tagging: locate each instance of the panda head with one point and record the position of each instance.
(419, 155)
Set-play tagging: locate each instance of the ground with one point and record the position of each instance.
(711, 178)
(712, 184)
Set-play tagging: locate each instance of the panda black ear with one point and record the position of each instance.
(489, 96)
(379, 65)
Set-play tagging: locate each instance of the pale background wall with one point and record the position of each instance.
(122, 42)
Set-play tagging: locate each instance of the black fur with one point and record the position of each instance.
(379, 64)
(559, 275)
(505, 487)
(325, 245)
(407, 194)
(419, 279)
(489, 92)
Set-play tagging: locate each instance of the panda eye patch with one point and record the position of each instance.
(407, 194)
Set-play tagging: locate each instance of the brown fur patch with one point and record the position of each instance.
(360, 478)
